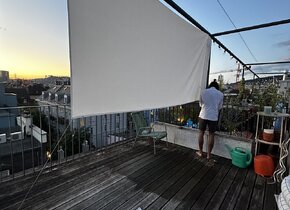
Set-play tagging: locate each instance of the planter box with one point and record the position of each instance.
(188, 137)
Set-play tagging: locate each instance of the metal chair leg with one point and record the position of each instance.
(166, 141)
(135, 141)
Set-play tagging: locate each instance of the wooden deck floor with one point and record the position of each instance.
(126, 178)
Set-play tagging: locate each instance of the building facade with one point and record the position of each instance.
(103, 130)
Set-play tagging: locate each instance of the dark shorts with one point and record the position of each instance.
(212, 125)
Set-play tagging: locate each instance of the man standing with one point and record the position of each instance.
(211, 102)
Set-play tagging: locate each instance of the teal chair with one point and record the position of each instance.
(143, 130)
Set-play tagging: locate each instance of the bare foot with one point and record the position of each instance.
(199, 154)
(211, 160)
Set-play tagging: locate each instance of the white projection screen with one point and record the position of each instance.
(132, 55)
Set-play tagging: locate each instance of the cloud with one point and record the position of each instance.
(3, 28)
(284, 44)
(277, 68)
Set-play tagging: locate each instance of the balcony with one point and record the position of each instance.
(126, 177)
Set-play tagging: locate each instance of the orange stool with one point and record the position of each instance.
(264, 165)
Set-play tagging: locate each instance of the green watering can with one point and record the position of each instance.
(241, 157)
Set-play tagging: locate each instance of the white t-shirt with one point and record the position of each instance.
(211, 101)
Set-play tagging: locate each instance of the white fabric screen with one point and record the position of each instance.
(130, 55)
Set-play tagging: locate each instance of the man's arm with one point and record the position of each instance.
(200, 100)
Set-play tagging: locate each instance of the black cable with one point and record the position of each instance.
(200, 27)
(238, 32)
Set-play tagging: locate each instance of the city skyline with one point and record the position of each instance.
(34, 38)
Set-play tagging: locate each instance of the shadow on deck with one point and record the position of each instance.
(126, 178)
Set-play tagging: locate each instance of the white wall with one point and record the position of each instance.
(188, 137)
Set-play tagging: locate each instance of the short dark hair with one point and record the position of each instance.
(214, 84)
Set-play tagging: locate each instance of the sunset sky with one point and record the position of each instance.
(34, 35)
(34, 38)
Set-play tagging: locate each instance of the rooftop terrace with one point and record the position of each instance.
(123, 177)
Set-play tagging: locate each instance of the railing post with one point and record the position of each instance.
(57, 127)
(79, 135)
(41, 141)
(65, 143)
(72, 140)
(49, 137)
(11, 146)
(31, 139)
(22, 137)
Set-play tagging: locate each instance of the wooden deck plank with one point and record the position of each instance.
(138, 194)
(136, 200)
(257, 198)
(169, 193)
(114, 175)
(72, 181)
(110, 201)
(198, 183)
(169, 183)
(69, 166)
(135, 179)
(136, 190)
(126, 178)
(145, 183)
(211, 188)
(244, 199)
(60, 177)
(269, 201)
(234, 191)
(220, 194)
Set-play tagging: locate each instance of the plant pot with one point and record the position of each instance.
(268, 135)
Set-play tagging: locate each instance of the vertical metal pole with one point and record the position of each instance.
(91, 134)
(41, 146)
(208, 68)
(11, 146)
(73, 139)
(97, 130)
(173, 115)
(101, 119)
(125, 121)
(79, 136)
(49, 136)
(85, 131)
(31, 139)
(65, 144)
(106, 130)
(22, 146)
(57, 131)
(178, 114)
(243, 73)
(169, 114)
(115, 128)
(257, 135)
(111, 128)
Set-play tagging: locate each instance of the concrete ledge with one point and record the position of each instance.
(188, 137)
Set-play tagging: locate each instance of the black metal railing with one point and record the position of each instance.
(33, 137)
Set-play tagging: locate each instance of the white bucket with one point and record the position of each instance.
(267, 109)
(269, 131)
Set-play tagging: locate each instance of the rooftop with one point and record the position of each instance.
(126, 177)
